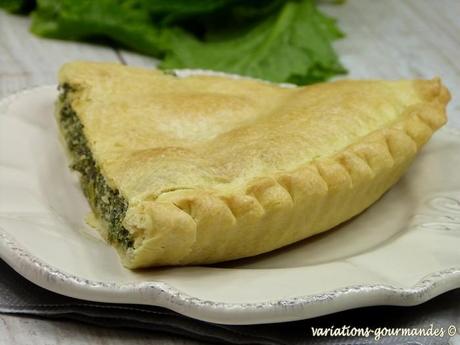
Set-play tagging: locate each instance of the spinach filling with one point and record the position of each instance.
(107, 203)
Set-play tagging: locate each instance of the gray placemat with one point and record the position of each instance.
(19, 296)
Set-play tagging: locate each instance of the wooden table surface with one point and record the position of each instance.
(385, 39)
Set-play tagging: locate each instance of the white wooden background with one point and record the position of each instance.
(385, 39)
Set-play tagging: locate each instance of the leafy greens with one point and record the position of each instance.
(276, 40)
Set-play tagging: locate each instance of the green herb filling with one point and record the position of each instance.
(107, 203)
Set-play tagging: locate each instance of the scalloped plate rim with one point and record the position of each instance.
(165, 295)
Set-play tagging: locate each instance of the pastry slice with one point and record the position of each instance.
(205, 169)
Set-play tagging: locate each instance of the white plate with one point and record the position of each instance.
(404, 250)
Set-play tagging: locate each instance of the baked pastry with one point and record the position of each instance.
(204, 169)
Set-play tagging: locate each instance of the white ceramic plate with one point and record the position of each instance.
(404, 250)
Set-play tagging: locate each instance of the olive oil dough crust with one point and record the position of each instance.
(214, 168)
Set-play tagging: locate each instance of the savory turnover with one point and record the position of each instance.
(204, 169)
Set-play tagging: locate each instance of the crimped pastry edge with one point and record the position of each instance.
(167, 228)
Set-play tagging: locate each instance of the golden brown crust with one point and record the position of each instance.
(216, 169)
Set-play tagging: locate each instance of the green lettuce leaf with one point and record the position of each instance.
(292, 45)
(125, 22)
(277, 40)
